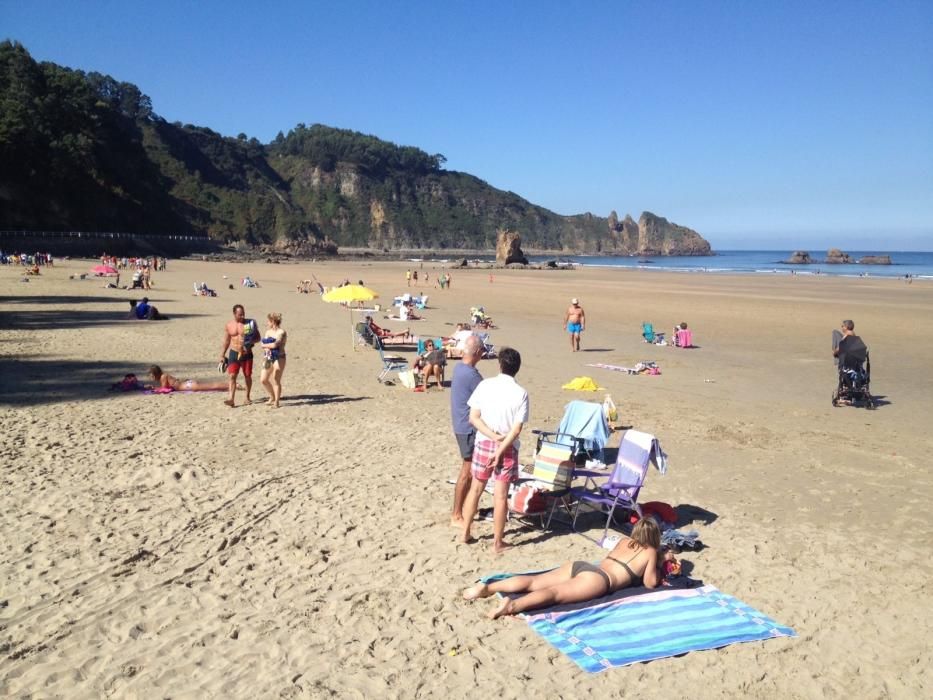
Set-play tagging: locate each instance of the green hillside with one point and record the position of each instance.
(83, 151)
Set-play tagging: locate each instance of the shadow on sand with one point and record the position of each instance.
(316, 399)
(72, 318)
(35, 381)
(71, 300)
(688, 514)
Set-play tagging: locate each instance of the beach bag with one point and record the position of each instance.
(407, 378)
(609, 410)
(527, 500)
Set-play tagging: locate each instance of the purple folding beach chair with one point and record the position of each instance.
(620, 492)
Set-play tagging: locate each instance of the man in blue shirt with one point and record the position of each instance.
(465, 379)
(143, 309)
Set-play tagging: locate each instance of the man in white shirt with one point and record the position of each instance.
(498, 411)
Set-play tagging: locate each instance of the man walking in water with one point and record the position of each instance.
(575, 321)
(240, 335)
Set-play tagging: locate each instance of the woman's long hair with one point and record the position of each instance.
(647, 533)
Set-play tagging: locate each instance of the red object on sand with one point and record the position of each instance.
(661, 510)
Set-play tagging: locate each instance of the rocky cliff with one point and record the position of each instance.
(86, 152)
(658, 236)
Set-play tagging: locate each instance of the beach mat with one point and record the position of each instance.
(617, 631)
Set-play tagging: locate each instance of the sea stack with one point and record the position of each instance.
(799, 257)
(834, 256)
(508, 248)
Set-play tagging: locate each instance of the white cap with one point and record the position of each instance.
(574, 301)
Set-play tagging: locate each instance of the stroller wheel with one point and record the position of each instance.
(835, 399)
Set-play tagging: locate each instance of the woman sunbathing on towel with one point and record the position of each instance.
(167, 381)
(632, 562)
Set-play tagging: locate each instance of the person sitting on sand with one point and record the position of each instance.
(480, 318)
(683, 337)
(406, 312)
(167, 381)
(144, 311)
(633, 561)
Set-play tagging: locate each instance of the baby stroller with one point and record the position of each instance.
(852, 388)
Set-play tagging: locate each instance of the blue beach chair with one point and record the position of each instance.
(390, 363)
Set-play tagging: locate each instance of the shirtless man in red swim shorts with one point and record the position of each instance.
(239, 336)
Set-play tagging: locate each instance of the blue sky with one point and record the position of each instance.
(758, 124)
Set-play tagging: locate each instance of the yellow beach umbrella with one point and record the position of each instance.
(348, 294)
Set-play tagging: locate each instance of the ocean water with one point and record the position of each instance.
(768, 262)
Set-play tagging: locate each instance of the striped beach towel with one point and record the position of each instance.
(654, 625)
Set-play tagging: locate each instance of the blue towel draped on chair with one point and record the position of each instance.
(585, 419)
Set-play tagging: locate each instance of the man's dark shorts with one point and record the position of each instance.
(466, 443)
(236, 362)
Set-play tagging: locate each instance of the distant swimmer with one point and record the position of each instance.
(575, 321)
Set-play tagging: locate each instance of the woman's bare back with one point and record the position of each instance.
(631, 564)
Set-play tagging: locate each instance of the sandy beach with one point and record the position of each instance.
(169, 546)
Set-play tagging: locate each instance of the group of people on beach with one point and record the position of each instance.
(488, 416)
(442, 280)
(241, 335)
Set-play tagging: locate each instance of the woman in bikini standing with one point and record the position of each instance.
(633, 561)
(273, 347)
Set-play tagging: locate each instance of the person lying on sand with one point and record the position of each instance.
(633, 561)
(167, 381)
(384, 333)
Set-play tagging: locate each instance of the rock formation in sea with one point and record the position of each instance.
(875, 260)
(800, 257)
(508, 248)
(834, 256)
